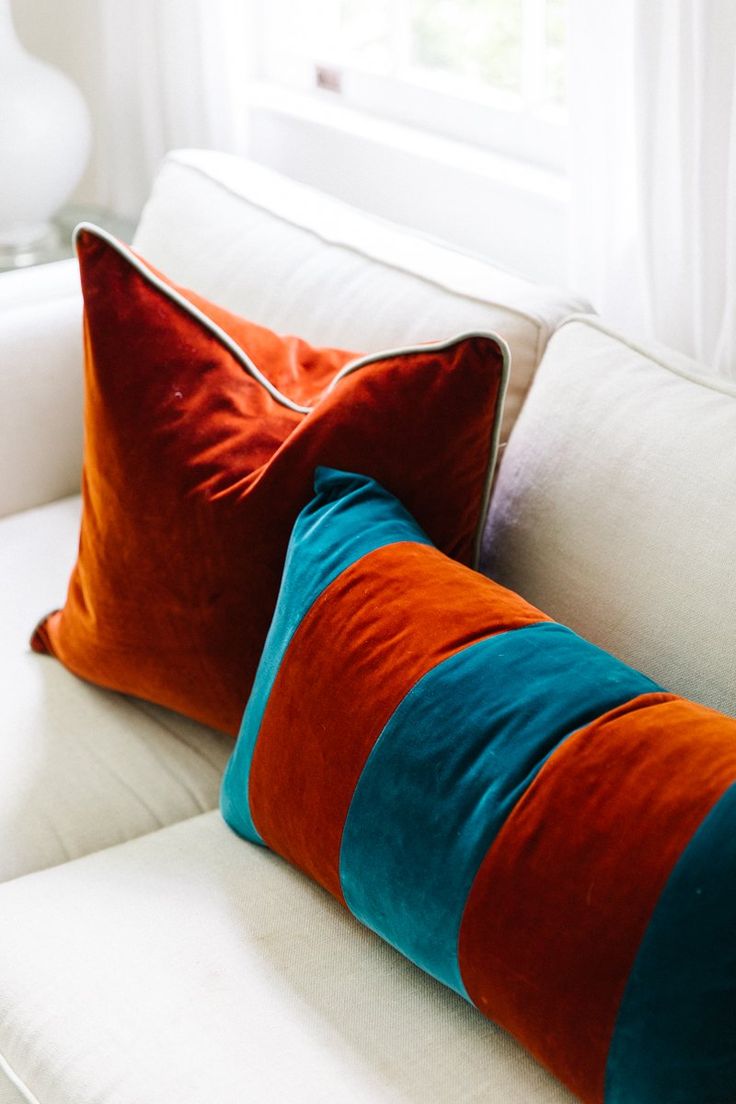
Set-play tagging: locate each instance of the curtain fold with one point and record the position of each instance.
(173, 73)
(653, 165)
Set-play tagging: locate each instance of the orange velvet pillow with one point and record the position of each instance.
(202, 435)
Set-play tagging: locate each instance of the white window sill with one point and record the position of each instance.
(507, 210)
(325, 109)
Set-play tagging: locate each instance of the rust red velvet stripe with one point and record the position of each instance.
(430, 608)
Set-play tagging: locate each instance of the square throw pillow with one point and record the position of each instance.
(202, 434)
(534, 823)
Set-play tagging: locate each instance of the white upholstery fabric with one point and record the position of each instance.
(615, 508)
(190, 967)
(40, 388)
(80, 768)
(58, 280)
(301, 262)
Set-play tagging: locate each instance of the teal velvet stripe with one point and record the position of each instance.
(350, 516)
(675, 1036)
(448, 768)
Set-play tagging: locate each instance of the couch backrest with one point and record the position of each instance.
(301, 262)
(615, 508)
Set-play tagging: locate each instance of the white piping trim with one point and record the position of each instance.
(16, 1082)
(493, 453)
(240, 355)
(347, 369)
(439, 346)
(407, 350)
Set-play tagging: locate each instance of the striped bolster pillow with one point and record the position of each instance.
(531, 821)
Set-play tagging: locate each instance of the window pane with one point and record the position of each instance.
(479, 40)
(298, 27)
(556, 56)
(342, 30)
(365, 32)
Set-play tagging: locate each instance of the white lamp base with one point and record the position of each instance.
(44, 142)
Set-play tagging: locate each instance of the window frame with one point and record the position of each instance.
(521, 127)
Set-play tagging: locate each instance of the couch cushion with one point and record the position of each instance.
(80, 768)
(188, 967)
(615, 512)
(299, 261)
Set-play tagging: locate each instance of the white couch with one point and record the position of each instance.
(147, 955)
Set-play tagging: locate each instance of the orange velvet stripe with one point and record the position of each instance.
(194, 475)
(561, 902)
(390, 618)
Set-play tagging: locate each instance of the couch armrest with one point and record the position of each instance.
(40, 388)
(30, 285)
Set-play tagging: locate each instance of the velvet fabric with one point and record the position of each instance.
(619, 801)
(536, 824)
(433, 796)
(440, 607)
(202, 434)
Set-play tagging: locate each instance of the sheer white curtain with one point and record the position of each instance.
(653, 114)
(172, 73)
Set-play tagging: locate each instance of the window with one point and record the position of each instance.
(489, 72)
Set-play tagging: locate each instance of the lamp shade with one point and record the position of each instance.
(44, 139)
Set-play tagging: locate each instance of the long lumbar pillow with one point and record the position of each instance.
(539, 826)
(202, 432)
